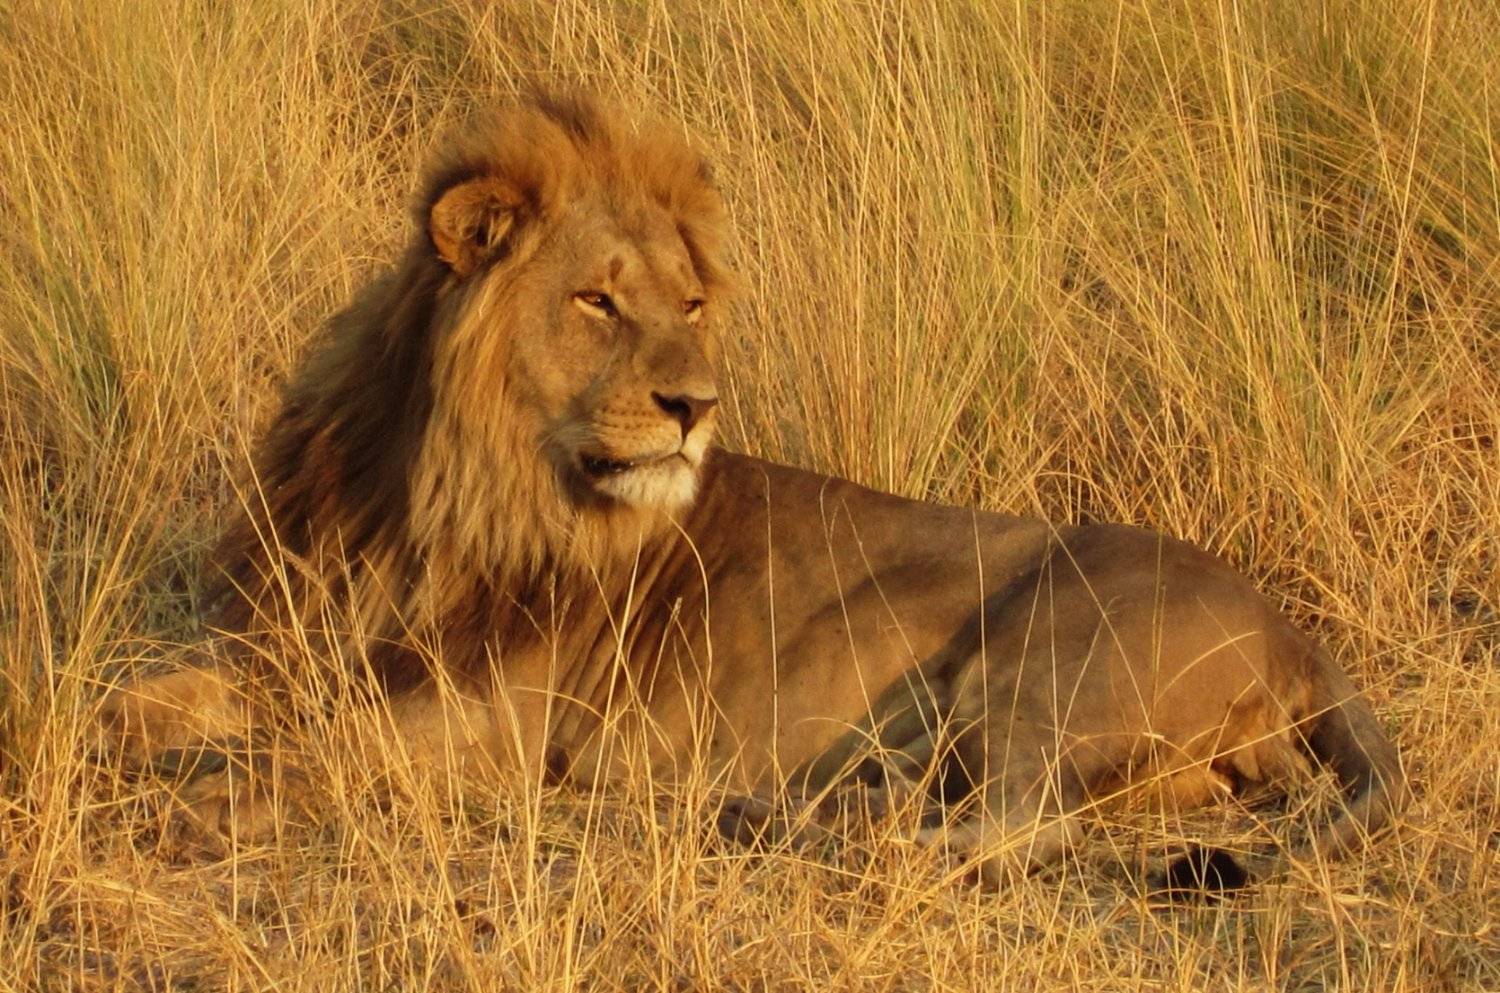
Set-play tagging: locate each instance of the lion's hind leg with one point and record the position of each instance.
(1032, 789)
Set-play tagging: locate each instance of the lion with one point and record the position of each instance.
(490, 497)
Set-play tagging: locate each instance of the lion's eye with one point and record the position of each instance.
(692, 309)
(599, 303)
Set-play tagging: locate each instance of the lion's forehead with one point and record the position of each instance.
(638, 250)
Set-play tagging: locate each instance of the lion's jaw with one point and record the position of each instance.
(633, 455)
(649, 480)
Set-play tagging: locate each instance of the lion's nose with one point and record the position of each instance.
(688, 409)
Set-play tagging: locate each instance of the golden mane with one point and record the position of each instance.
(392, 493)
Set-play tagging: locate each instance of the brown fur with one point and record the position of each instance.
(493, 468)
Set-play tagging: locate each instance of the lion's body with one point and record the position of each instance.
(491, 491)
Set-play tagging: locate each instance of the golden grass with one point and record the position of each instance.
(1229, 270)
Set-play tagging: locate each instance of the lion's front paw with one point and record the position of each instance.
(251, 801)
(177, 724)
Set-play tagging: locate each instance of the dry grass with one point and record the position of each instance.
(1228, 270)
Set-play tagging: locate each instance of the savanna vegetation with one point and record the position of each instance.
(1229, 269)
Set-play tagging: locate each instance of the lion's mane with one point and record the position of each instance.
(391, 497)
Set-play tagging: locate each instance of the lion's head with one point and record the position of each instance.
(576, 362)
(531, 388)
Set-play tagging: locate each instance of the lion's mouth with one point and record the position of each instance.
(602, 467)
(663, 481)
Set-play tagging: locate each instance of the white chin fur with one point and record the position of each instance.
(668, 485)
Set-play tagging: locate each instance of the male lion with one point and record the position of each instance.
(490, 497)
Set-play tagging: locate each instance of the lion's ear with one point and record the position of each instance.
(470, 219)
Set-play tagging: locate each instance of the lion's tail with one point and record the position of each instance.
(1343, 734)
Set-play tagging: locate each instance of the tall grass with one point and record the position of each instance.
(1227, 269)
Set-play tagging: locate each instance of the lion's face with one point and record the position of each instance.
(617, 363)
(584, 277)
